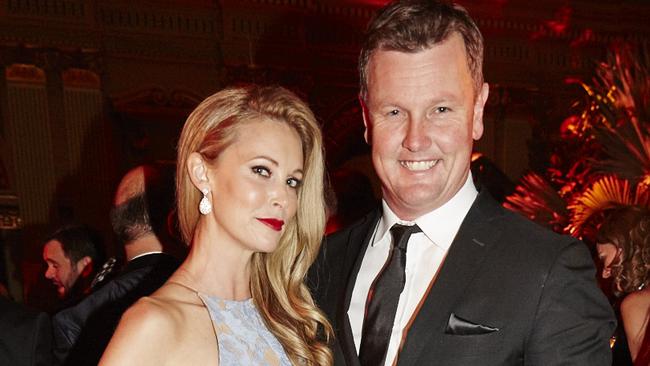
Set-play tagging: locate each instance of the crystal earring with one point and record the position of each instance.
(205, 207)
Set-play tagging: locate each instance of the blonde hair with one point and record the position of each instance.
(277, 278)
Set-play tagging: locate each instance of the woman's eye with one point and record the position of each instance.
(293, 182)
(261, 170)
(393, 112)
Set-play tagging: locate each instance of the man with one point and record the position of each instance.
(461, 281)
(25, 335)
(142, 203)
(72, 254)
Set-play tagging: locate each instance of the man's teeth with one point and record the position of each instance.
(418, 165)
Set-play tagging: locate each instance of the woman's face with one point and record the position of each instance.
(607, 253)
(254, 185)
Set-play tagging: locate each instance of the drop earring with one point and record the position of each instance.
(205, 207)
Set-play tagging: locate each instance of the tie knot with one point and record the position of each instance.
(401, 234)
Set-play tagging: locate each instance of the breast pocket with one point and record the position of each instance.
(475, 346)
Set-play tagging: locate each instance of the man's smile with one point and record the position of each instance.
(418, 165)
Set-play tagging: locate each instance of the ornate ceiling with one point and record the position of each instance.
(152, 60)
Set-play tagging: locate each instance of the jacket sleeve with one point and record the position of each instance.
(574, 320)
(42, 341)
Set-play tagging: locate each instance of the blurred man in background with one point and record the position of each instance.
(143, 202)
(73, 253)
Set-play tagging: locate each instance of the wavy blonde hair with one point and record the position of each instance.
(277, 278)
(628, 228)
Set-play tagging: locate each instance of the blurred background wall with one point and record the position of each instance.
(90, 88)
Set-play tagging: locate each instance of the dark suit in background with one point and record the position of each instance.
(25, 336)
(82, 332)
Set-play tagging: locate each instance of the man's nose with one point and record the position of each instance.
(49, 273)
(416, 137)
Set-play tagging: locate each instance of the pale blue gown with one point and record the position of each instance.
(242, 336)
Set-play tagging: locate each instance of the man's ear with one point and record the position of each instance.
(479, 105)
(197, 170)
(366, 120)
(85, 266)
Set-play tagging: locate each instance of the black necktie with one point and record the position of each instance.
(382, 300)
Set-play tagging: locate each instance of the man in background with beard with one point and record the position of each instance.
(73, 255)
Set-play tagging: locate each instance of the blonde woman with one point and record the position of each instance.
(250, 203)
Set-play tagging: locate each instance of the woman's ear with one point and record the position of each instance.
(197, 170)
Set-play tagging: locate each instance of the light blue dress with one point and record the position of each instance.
(242, 336)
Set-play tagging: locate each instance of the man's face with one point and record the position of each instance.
(421, 118)
(60, 270)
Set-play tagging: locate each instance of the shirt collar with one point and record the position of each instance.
(146, 253)
(440, 225)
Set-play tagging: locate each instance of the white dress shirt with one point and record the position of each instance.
(425, 253)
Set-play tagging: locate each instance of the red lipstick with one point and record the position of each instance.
(274, 224)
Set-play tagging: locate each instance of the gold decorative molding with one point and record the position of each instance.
(156, 96)
(28, 74)
(51, 8)
(155, 103)
(183, 21)
(79, 78)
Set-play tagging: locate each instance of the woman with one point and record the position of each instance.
(250, 202)
(623, 244)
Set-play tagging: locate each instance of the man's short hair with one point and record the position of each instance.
(146, 212)
(415, 25)
(78, 241)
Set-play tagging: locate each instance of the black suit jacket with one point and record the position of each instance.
(508, 293)
(25, 336)
(82, 332)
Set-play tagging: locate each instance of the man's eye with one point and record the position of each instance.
(294, 182)
(262, 170)
(393, 112)
(442, 109)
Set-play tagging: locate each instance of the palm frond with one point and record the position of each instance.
(536, 199)
(607, 192)
(619, 112)
(627, 150)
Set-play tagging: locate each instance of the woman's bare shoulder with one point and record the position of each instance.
(151, 327)
(168, 307)
(636, 302)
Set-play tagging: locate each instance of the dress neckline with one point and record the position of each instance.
(214, 297)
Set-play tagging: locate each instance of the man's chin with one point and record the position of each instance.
(416, 201)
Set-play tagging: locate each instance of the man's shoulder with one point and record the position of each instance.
(537, 234)
(520, 238)
(364, 224)
(529, 247)
(518, 225)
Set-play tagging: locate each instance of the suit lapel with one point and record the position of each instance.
(473, 241)
(357, 243)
